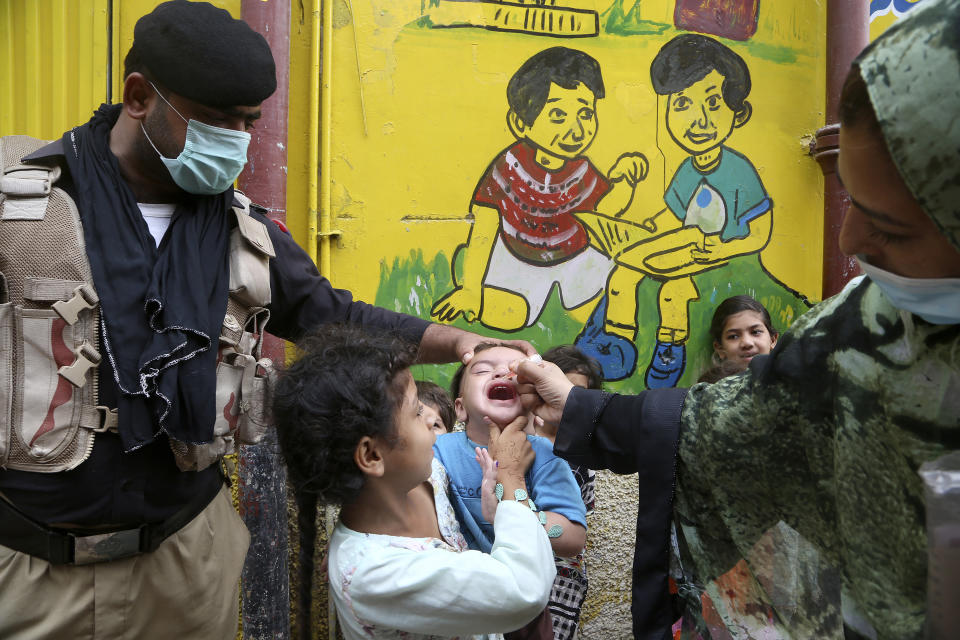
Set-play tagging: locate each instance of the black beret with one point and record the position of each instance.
(201, 52)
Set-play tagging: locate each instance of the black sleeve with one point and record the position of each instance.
(624, 434)
(634, 434)
(302, 299)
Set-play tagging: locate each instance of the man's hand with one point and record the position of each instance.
(543, 388)
(443, 343)
(632, 167)
(459, 301)
(468, 341)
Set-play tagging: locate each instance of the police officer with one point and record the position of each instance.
(118, 542)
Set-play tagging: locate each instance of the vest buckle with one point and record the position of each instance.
(84, 297)
(76, 373)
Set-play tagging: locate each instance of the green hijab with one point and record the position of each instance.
(912, 73)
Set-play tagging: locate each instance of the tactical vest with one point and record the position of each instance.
(50, 324)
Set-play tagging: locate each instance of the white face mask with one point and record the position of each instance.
(211, 159)
(936, 300)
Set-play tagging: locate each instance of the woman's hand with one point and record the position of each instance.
(510, 448)
(513, 453)
(488, 500)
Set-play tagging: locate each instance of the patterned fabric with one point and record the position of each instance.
(912, 73)
(566, 599)
(446, 515)
(797, 485)
(536, 206)
(570, 586)
(587, 481)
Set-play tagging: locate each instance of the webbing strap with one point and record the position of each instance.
(33, 208)
(26, 190)
(98, 418)
(52, 289)
(24, 180)
(69, 296)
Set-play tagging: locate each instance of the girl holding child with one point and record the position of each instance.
(353, 434)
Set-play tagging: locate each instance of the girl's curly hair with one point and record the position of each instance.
(345, 385)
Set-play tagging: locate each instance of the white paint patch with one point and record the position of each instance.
(414, 300)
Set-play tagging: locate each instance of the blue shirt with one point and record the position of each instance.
(723, 200)
(549, 482)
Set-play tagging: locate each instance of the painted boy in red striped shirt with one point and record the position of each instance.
(525, 236)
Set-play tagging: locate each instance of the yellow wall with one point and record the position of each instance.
(419, 112)
(66, 58)
(57, 64)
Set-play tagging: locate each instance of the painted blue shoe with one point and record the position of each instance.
(667, 365)
(617, 355)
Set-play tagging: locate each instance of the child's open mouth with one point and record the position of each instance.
(501, 391)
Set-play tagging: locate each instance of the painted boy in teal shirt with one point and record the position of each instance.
(719, 209)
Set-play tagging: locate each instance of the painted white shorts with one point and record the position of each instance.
(578, 279)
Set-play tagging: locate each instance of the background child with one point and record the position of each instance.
(438, 407)
(570, 586)
(352, 432)
(741, 328)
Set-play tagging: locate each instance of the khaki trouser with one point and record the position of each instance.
(187, 588)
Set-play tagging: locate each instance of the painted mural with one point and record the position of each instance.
(883, 13)
(539, 208)
(600, 173)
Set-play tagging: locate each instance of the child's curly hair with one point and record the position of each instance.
(344, 386)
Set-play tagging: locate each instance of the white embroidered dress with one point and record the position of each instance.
(425, 588)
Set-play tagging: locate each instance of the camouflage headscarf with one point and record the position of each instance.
(912, 73)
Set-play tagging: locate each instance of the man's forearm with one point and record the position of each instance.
(442, 343)
(439, 344)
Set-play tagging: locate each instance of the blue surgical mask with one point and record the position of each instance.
(936, 300)
(211, 159)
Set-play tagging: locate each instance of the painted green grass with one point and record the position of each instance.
(411, 285)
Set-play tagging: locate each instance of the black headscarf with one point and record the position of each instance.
(162, 308)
